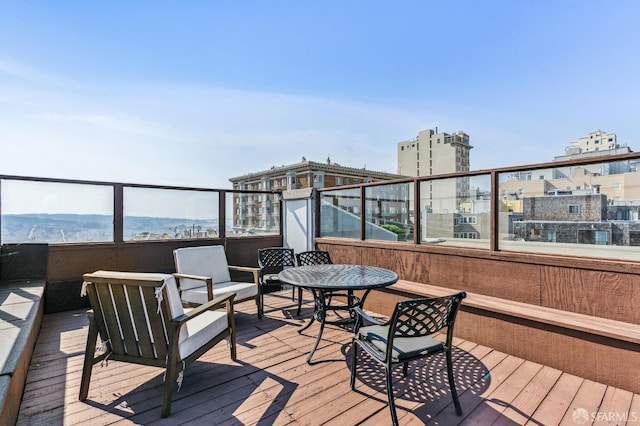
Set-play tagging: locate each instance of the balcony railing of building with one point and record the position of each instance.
(59, 211)
(90, 225)
(585, 208)
(549, 255)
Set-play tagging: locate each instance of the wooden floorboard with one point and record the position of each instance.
(271, 383)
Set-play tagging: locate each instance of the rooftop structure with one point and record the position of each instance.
(544, 316)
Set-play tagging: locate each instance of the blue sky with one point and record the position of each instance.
(193, 93)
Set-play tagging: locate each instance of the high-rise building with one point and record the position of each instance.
(433, 153)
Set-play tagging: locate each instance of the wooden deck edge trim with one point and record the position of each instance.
(14, 376)
(617, 330)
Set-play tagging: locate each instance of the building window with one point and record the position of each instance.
(338, 181)
(616, 186)
(601, 238)
(574, 209)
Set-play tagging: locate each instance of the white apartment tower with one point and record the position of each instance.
(432, 153)
(594, 141)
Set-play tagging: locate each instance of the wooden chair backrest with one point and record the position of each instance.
(131, 316)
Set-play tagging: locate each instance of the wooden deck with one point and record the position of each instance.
(271, 383)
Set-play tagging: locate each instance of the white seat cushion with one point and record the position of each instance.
(199, 330)
(243, 290)
(207, 261)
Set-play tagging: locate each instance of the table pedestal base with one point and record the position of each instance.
(322, 303)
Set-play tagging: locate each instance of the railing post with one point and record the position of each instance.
(118, 213)
(363, 219)
(494, 213)
(417, 213)
(222, 216)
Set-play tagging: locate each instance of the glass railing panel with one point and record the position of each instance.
(340, 213)
(169, 214)
(389, 212)
(55, 213)
(591, 210)
(456, 211)
(252, 214)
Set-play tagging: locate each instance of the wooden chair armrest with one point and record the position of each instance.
(253, 270)
(216, 303)
(191, 277)
(207, 280)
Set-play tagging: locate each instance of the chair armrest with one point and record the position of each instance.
(216, 303)
(254, 271)
(191, 277)
(363, 315)
(207, 280)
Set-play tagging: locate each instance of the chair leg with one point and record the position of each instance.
(293, 292)
(354, 363)
(452, 384)
(259, 304)
(88, 359)
(405, 368)
(299, 299)
(167, 388)
(392, 403)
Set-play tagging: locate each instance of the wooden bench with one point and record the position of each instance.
(23, 268)
(21, 311)
(599, 349)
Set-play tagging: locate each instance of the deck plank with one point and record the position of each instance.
(271, 383)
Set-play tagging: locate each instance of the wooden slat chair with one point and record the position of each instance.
(203, 274)
(407, 337)
(140, 319)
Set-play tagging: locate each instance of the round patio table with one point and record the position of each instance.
(331, 281)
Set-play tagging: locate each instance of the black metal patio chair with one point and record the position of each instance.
(272, 260)
(311, 257)
(407, 337)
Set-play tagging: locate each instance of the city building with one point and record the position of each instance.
(256, 212)
(594, 142)
(619, 180)
(578, 219)
(432, 153)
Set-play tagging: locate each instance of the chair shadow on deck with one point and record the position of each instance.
(425, 391)
(209, 390)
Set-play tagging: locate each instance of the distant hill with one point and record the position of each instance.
(70, 228)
